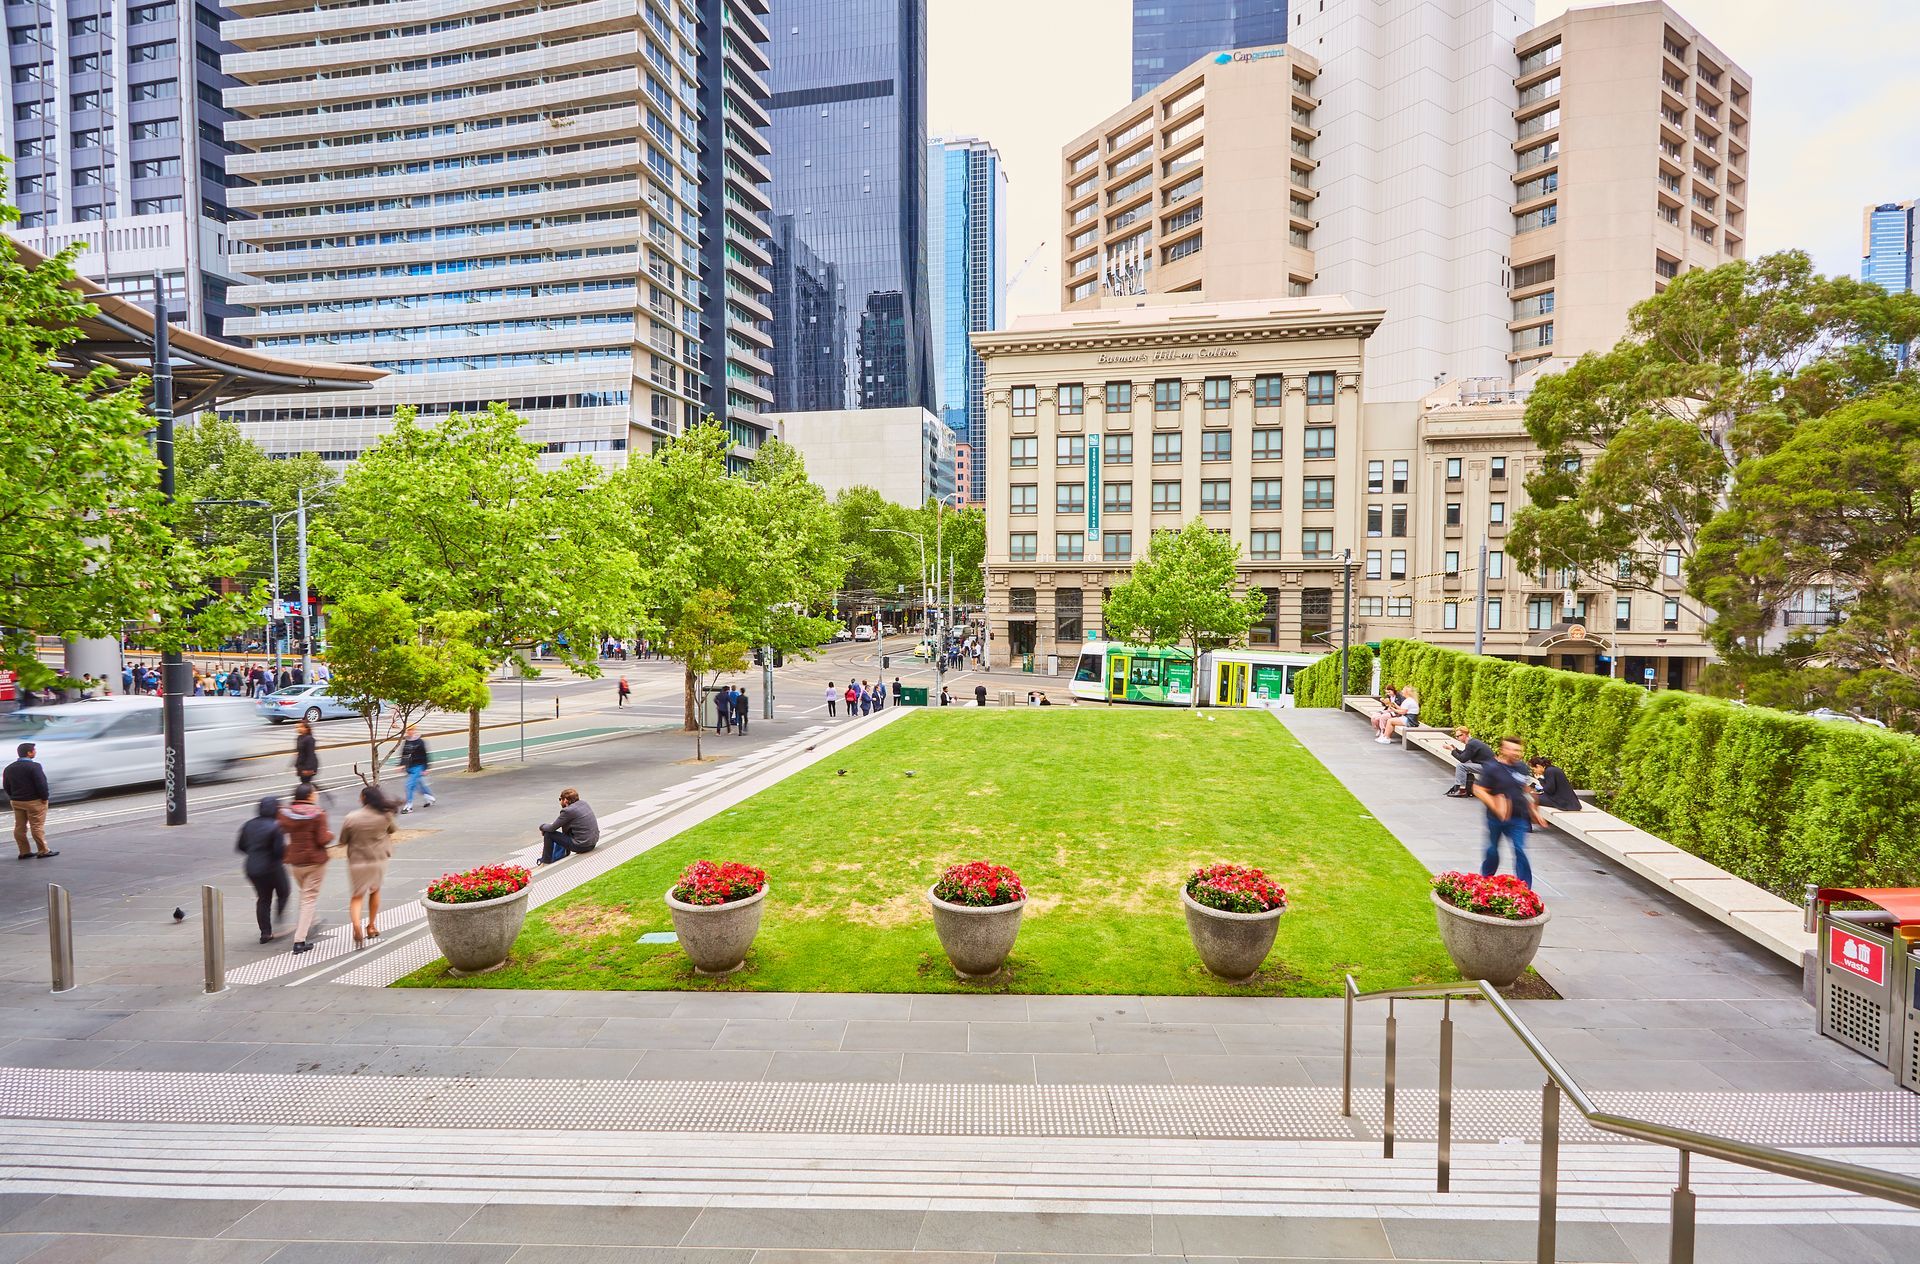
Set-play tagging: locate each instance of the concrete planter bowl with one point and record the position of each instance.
(1231, 945)
(1497, 950)
(716, 937)
(977, 940)
(476, 937)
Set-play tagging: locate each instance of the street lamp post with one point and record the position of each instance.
(922, 541)
(173, 666)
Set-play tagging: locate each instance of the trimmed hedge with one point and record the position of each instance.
(1776, 798)
(1319, 684)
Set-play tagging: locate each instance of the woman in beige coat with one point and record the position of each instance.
(367, 836)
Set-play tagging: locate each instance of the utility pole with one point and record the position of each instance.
(766, 682)
(1346, 615)
(306, 611)
(1480, 604)
(174, 680)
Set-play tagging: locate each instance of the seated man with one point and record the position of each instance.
(1555, 790)
(1406, 717)
(576, 829)
(1471, 754)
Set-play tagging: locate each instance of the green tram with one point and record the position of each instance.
(1164, 676)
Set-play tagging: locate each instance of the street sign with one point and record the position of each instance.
(1857, 956)
(1093, 491)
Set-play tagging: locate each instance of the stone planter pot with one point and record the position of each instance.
(977, 940)
(716, 936)
(476, 937)
(1231, 945)
(1495, 949)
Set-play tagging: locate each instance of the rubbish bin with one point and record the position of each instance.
(710, 706)
(1867, 977)
(1008, 698)
(913, 695)
(1908, 1072)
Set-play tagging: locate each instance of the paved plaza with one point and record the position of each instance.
(309, 1113)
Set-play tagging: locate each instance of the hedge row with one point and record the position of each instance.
(1778, 799)
(1319, 685)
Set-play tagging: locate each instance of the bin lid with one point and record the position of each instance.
(1902, 902)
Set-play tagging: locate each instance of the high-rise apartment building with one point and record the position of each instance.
(967, 236)
(1631, 141)
(1169, 35)
(849, 163)
(1181, 192)
(522, 205)
(115, 127)
(1887, 245)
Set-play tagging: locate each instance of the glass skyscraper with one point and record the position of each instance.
(1887, 245)
(967, 232)
(852, 321)
(1169, 35)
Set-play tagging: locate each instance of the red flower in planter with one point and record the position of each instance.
(705, 883)
(979, 884)
(1501, 895)
(488, 882)
(1235, 889)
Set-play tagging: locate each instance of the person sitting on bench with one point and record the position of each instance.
(1555, 790)
(1471, 754)
(1407, 717)
(576, 829)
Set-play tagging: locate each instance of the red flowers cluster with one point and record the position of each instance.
(1235, 889)
(979, 884)
(1501, 895)
(488, 882)
(705, 883)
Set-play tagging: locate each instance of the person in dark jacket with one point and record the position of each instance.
(414, 758)
(25, 782)
(576, 829)
(264, 844)
(740, 712)
(306, 755)
(1471, 755)
(1555, 790)
(979, 695)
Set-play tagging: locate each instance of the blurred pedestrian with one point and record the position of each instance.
(306, 754)
(624, 691)
(1502, 787)
(367, 836)
(308, 835)
(264, 843)
(415, 759)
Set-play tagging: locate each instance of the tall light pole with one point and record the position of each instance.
(174, 680)
(1480, 604)
(306, 611)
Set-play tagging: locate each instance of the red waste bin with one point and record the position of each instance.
(1868, 994)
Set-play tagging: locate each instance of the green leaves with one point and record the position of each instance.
(1182, 593)
(395, 668)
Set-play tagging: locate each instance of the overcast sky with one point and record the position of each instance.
(1836, 109)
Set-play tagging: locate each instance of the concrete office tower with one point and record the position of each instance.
(1415, 178)
(905, 454)
(1182, 191)
(498, 206)
(967, 236)
(113, 122)
(1886, 245)
(849, 164)
(1169, 35)
(1630, 168)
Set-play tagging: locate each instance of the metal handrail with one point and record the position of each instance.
(1872, 1182)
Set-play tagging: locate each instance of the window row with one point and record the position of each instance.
(1117, 546)
(1215, 393)
(1169, 448)
(1216, 496)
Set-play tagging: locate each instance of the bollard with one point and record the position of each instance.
(1549, 1172)
(60, 936)
(556, 708)
(213, 939)
(1444, 1147)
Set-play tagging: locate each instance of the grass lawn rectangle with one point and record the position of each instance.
(1103, 813)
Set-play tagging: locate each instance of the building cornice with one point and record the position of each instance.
(1177, 334)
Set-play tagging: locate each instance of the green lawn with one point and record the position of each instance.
(1102, 812)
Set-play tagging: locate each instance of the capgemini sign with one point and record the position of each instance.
(1246, 54)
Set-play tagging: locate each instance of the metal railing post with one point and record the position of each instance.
(1444, 1174)
(60, 936)
(1386, 1116)
(213, 938)
(1346, 1059)
(1549, 1169)
(1680, 1235)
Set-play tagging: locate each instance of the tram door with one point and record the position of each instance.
(1230, 684)
(1117, 668)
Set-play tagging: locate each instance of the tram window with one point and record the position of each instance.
(1089, 668)
(1145, 671)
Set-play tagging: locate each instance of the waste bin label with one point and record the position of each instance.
(1857, 956)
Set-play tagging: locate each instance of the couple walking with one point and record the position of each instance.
(293, 845)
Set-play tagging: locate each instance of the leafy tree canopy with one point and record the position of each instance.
(215, 461)
(1181, 593)
(395, 669)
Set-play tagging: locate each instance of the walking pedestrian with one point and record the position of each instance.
(415, 759)
(1503, 788)
(308, 835)
(625, 691)
(25, 782)
(264, 844)
(306, 755)
(723, 710)
(575, 830)
(833, 700)
(740, 709)
(367, 836)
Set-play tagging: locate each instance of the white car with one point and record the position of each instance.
(841, 634)
(312, 703)
(863, 633)
(113, 742)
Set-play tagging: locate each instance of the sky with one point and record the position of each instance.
(1836, 109)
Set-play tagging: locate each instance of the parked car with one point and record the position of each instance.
(1828, 713)
(841, 634)
(863, 633)
(114, 742)
(311, 703)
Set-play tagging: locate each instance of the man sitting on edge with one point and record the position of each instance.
(576, 829)
(1472, 755)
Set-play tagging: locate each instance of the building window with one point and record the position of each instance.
(1265, 546)
(1316, 493)
(1622, 614)
(1023, 546)
(1023, 498)
(1371, 607)
(1266, 391)
(1453, 469)
(1376, 519)
(1451, 562)
(1497, 512)
(1217, 392)
(150, 168)
(1118, 449)
(1450, 615)
(1166, 497)
(1373, 563)
(1069, 546)
(1166, 395)
(1316, 613)
(1119, 397)
(1493, 614)
(1116, 546)
(1539, 613)
(1320, 388)
(1116, 498)
(1166, 449)
(1266, 494)
(1266, 445)
(1399, 522)
(1216, 445)
(1021, 600)
(1316, 544)
(1181, 249)
(1070, 450)
(1496, 564)
(1022, 453)
(1670, 615)
(1453, 513)
(1073, 400)
(1319, 443)
(1400, 607)
(1497, 468)
(1397, 564)
(1216, 495)
(1376, 477)
(1399, 477)
(1026, 401)
(1670, 564)
(1070, 498)
(1068, 606)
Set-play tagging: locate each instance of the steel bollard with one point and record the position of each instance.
(213, 939)
(60, 936)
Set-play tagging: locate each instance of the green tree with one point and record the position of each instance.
(395, 669)
(87, 545)
(1641, 441)
(961, 534)
(882, 568)
(1182, 594)
(709, 641)
(214, 460)
(460, 516)
(767, 540)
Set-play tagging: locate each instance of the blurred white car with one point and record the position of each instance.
(841, 634)
(311, 703)
(113, 742)
(863, 633)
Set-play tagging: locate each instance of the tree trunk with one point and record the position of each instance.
(691, 723)
(473, 739)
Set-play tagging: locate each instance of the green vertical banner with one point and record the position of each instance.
(1093, 493)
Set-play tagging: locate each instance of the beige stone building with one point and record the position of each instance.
(1143, 210)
